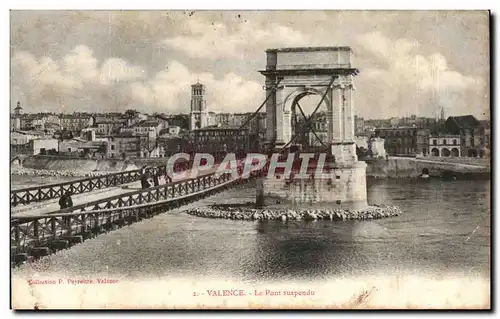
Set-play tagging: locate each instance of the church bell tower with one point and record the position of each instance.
(199, 111)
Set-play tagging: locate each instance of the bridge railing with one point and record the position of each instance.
(35, 231)
(56, 190)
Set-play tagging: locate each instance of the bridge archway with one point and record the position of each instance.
(445, 152)
(435, 152)
(293, 73)
(455, 152)
(299, 114)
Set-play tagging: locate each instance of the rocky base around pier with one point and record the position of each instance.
(236, 212)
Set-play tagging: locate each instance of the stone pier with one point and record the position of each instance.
(291, 74)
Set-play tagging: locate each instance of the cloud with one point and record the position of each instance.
(169, 91)
(76, 75)
(415, 82)
(215, 40)
(417, 61)
(116, 70)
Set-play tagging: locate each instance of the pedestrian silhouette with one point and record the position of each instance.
(144, 182)
(65, 201)
(62, 201)
(69, 201)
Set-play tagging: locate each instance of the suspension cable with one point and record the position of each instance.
(250, 118)
(315, 110)
(309, 127)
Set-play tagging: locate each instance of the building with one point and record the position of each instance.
(404, 141)
(472, 135)
(18, 110)
(126, 146)
(423, 141)
(146, 127)
(199, 112)
(359, 124)
(318, 124)
(43, 146)
(219, 140)
(171, 130)
(175, 144)
(15, 122)
(70, 147)
(181, 120)
(75, 122)
(22, 137)
(378, 123)
(444, 146)
(108, 127)
(376, 147)
(487, 133)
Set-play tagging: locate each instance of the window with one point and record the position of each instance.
(69, 149)
(434, 142)
(444, 142)
(112, 147)
(454, 142)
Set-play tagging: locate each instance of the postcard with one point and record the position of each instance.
(250, 159)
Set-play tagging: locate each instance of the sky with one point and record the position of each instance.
(410, 62)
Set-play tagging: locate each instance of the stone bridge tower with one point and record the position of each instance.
(327, 72)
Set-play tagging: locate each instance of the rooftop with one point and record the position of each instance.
(221, 127)
(145, 123)
(464, 121)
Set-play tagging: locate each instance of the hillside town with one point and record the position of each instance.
(134, 134)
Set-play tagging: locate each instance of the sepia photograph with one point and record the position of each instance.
(250, 159)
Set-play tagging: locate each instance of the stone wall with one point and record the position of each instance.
(346, 187)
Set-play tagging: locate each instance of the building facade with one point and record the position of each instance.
(409, 141)
(108, 127)
(218, 140)
(21, 137)
(126, 146)
(472, 135)
(43, 145)
(359, 125)
(376, 147)
(445, 146)
(75, 122)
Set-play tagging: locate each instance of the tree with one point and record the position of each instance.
(131, 113)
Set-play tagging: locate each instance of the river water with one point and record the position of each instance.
(445, 228)
(435, 255)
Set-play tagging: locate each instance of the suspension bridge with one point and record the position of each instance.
(38, 228)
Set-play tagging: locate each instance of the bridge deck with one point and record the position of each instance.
(48, 206)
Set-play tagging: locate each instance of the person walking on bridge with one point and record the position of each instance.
(65, 201)
(144, 181)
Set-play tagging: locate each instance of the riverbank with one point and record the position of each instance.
(246, 212)
(412, 168)
(23, 171)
